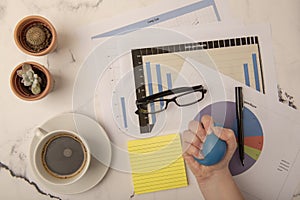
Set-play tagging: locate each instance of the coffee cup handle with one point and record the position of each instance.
(39, 132)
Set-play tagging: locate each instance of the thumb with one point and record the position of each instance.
(228, 136)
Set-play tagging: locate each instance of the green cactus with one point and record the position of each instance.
(37, 37)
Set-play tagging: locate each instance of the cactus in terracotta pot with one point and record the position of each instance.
(35, 35)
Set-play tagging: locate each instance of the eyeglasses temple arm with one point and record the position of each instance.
(172, 91)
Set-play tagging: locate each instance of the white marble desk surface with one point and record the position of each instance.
(18, 118)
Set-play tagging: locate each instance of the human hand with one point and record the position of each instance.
(194, 138)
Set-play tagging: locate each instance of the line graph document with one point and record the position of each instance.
(200, 12)
(166, 14)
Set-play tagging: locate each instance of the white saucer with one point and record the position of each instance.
(99, 145)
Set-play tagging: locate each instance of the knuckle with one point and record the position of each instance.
(206, 119)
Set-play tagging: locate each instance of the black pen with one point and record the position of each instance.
(239, 101)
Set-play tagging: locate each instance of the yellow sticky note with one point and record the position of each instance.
(157, 163)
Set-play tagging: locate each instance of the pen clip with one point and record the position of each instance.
(239, 100)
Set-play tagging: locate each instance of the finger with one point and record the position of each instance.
(190, 138)
(228, 136)
(208, 123)
(192, 164)
(193, 126)
(197, 128)
(194, 151)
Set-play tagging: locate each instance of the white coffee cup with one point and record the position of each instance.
(61, 157)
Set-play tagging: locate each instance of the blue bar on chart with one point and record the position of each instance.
(159, 79)
(159, 82)
(124, 112)
(169, 81)
(149, 77)
(256, 75)
(246, 74)
(150, 88)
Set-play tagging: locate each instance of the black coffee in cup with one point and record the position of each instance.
(64, 155)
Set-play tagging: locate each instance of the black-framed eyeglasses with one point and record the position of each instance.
(156, 103)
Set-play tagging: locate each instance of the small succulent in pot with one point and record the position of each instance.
(31, 81)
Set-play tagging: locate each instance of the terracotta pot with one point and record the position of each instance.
(24, 92)
(35, 35)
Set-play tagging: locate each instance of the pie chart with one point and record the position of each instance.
(224, 114)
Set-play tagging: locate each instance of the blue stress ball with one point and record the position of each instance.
(213, 150)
